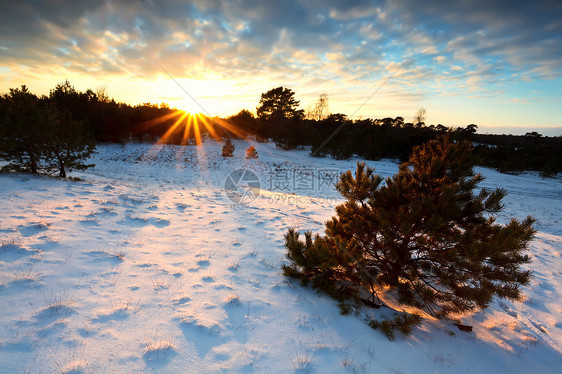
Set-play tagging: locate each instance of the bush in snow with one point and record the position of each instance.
(251, 152)
(425, 234)
(228, 148)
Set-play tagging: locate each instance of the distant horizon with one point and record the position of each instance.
(507, 130)
(552, 131)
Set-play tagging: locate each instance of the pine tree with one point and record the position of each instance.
(279, 103)
(251, 152)
(228, 148)
(68, 144)
(425, 233)
(36, 136)
(22, 131)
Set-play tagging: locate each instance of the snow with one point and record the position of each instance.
(148, 265)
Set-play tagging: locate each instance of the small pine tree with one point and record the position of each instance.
(21, 130)
(69, 144)
(251, 152)
(36, 136)
(228, 148)
(425, 233)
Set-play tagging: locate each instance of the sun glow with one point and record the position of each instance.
(184, 128)
(189, 128)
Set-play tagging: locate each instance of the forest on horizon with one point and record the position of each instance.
(279, 119)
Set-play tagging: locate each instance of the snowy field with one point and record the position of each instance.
(147, 265)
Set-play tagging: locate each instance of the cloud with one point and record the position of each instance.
(335, 46)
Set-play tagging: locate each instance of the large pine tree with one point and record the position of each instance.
(279, 103)
(426, 233)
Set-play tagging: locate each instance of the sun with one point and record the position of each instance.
(187, 127)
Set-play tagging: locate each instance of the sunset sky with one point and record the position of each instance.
(492, 63)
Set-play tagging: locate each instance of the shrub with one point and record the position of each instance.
(425, 234)
(228, 148)
(251, 152)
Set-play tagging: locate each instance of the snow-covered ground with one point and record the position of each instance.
(147, 264)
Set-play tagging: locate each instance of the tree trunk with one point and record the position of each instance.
(33, 163)
(62, 171)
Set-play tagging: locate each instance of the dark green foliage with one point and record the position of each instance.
(244, 121)
(36, 136)
(69, 144)
(345, 308)
(22, 131)
(228, 148)
(278, 104)
(425, 233)
(545, 157)
(402, 322)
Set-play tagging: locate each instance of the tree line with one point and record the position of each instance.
(340, 137)
(32, 129)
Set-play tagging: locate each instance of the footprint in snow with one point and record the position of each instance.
(114, 258)
(89, 222)
(223, 287)
(507, 309)
(33, 229)
(181, 300)
(539, 326)
(159, 222)
(119, 314)
(133, 221)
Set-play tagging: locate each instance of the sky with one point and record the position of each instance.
(497, 64)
